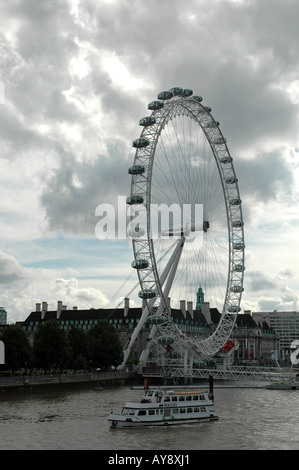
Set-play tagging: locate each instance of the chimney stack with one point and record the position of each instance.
(183, 307)
(127, 306)
(37, 307)
(59, 308)
(44, 310)
(190, 308)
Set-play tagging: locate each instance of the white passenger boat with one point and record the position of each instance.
(161, 407)
(288, 385)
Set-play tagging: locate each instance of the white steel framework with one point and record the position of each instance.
(182, 165)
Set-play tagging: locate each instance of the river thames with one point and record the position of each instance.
(76, 419)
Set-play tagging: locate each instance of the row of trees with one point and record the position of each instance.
(55, 348)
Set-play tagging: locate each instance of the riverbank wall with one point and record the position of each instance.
(32, 382)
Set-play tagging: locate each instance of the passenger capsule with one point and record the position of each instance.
(219, 140)
(235, 202)
(176, 91)
(165, 340)
(231, 180)
(239, 268)
(187, 92)
(165, 95)
(156, 319)
(147, 121)
(237, 223)
(140, 143)
(136, 170)
(238, 246)
(236, 289)
(225, 160)
(140, 264)
(212, 124)
(147, 294)
(134, 199)
(197, 98)
(154, 105)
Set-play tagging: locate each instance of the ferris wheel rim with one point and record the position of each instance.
(149, 280)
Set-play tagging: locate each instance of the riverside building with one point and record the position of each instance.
(256, 340)
(285, 324)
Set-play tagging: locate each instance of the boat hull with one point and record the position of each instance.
(118, 421)
(281, 386)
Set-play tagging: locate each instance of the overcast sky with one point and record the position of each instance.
(76, 77)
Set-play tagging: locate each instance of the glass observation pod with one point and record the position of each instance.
(237, 223)
(154, 105)
(165, 95)
(187, 92)
(236, 289)
(156, 319)
(238, 246)
(166, 340)
(212, 124)
(134, 199)
(140, 264)
(205, 109)
(219, 140)
(198, 98)
(140, 143)
(239, 268)
(147, 294)
(147, 121)
(136, 170)
(176, 91)
(235, 202)
(226, 160)
(231, 180)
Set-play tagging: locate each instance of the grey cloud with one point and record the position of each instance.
(265, 175)
(257, 281)
(71, 208)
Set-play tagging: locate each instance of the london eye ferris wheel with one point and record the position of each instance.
(187, 226)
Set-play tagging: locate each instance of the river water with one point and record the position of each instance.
(76, 418)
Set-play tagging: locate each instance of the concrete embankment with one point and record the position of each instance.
(30, 382)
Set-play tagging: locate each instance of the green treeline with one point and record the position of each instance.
(56, 348)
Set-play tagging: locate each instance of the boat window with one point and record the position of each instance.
(174, 398)
(202, 408)
(182, 398)
(183, 410)
(188, 397)
(175, 410)
(141, 412)
(159, 412)
(196, 409)
(166, 399)
(195, 397)
(151, 412)
(127, 411)
(202, 397)
(189, 410)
